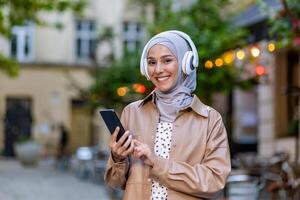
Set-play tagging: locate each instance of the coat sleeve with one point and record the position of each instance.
(205, 179)
(116, 172)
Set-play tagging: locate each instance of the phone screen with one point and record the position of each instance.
(112, 121)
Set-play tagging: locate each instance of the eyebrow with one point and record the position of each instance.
(164, 56)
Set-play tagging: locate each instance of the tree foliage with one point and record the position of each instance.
(122, 73)
(18, 12)
(285, 24)
(8, 66)
(212, 34)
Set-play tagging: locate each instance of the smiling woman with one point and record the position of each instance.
(175, 147)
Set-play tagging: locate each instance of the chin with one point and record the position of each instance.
(163, 89)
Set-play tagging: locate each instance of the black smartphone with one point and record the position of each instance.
(112, 121)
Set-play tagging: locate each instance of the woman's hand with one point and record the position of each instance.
(121, 149)
(143, 151)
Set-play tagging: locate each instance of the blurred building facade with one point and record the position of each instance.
(55, 65)
(269, 113)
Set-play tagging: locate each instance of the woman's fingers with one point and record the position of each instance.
(130, 149)
(115, 134)
(125, 145)
(123, 138)
(140, 154)
(120, 148)
(141, 150)
(113, 138)
(134, 154)
(119, 144)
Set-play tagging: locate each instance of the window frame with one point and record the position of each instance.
(132, 40)
(20, 33)
(87, 37)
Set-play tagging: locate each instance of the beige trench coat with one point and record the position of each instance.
(199, 157)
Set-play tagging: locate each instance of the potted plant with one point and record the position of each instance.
(27, 151)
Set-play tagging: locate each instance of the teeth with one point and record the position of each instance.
(162, 78)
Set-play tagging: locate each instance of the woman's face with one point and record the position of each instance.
(162, 67)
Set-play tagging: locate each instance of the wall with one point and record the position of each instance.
(51, 92)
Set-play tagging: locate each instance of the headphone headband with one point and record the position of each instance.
(191, 44)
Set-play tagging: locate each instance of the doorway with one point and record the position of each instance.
(81, 135)
(17, 123)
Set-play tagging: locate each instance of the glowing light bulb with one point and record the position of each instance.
(255, 51)
(228, 57)
(271, 47)
(240, 54)
(122, 91)
(139, 88)
(260, 70)
(208, 64)
(219, 62)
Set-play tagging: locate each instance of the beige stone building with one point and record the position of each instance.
(268, 113)
(54, 65)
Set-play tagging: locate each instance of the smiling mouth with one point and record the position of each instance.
(162, 78)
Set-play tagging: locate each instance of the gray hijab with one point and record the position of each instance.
(180, 95)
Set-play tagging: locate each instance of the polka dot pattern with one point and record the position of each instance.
(162, 148)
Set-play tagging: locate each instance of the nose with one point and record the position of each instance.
(158, 68)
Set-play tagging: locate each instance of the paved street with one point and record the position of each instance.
(44, 183)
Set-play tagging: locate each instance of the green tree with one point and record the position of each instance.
(212, 33)
(284, 25)
(18, 12)
(123, 73)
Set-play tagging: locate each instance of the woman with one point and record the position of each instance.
(177, 147)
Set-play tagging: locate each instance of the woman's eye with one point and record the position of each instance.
(151, 62)
(168, 61)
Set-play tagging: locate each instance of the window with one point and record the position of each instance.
(22, 45)
(132, 36)
(176, 5)
(85, 39)
(244, 120)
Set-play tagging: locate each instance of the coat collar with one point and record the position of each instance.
(196, 104)
(149, 97)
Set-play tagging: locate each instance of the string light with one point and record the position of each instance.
(218, 62)
(271, 47)
(208, 64)
(240, 54)
(122, 91)
(255, 51)
(228, 57)
(260, 70)
(139, 88)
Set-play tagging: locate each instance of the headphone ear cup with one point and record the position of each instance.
(187, 63)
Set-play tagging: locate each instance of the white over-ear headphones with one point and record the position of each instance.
(190, 59)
